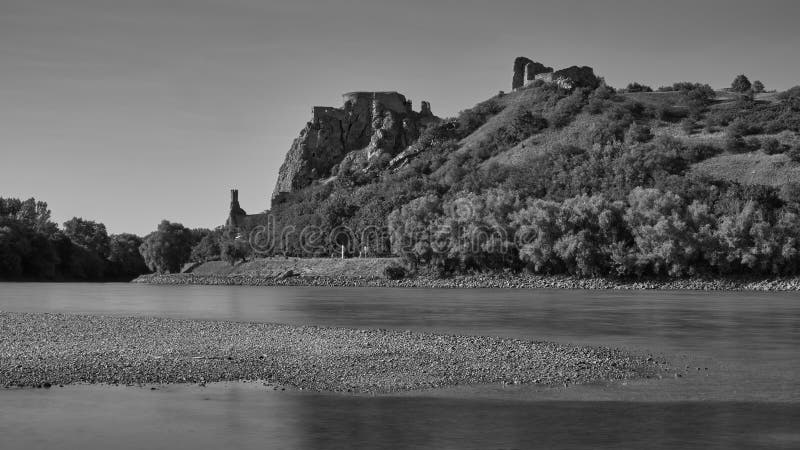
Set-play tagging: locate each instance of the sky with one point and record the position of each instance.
(128, 112)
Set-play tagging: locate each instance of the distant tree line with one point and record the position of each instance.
(32, 247)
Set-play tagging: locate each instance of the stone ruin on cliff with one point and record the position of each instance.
(370, 128)
(527, 72)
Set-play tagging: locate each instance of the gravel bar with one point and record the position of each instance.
(791, 284)
(44, 349)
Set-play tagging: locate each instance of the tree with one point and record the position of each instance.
(124, 257)
(235, 250)
(88, 234)
(208, 249)
(167, 248)
(741, 84)
(758, 87)
(12, 249)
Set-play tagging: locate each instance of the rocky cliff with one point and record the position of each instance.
(370, 128)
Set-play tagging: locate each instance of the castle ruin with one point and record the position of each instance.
(369, 126)
(527, 72)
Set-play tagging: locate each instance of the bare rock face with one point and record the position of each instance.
(375, 125)
(579, 76)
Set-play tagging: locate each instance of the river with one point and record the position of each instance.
(741, 352)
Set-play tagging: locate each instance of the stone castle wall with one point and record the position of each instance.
(527, 71)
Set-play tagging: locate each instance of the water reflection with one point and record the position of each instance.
(234, 416)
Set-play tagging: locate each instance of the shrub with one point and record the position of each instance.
(758, 87)
(470, 120)
(233, 251)
(736, 144)
(741, 128)
(638, 133)
(566, 109)
(394, 272)
(772, 146)
(794, 153)
(636, 87)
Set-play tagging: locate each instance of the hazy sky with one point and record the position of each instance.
(132, 111)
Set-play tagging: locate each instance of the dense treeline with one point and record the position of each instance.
(33, 247)
(615, 200)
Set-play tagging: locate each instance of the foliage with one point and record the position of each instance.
(394, 272)
(608, 198)
(88, 234)
(124, 258)
(636, 87)
(772, 146)
(794, 153)
(33, 247)
(168, 248)
(207, 247)
(235, 250)
(758, 87)
(740, 84)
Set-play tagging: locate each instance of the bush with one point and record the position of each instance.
(233, 251)
(737, 144)
(638, 133)
(794, 153)
(394, 272)
(740, 128)
(566, 109)
(772, 146)
(636, 87)
(470, 120)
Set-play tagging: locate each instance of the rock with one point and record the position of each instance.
(370, 123)
(578, 77)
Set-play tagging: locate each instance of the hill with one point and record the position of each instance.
(564, 174)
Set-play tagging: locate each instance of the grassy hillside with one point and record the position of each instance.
(755, 168)
(583, 181)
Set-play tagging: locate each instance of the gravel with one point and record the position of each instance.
(508, 281)
(45, 349)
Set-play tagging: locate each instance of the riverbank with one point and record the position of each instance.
(480, 281)
(44, 349)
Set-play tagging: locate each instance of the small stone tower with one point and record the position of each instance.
(236, 212)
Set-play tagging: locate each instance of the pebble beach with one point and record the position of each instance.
(46, 350)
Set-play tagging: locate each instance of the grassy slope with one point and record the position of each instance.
(749, 168)
(270, 267)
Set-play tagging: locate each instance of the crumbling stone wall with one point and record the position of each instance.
(527, 71)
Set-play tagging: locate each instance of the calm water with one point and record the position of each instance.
(745, 395)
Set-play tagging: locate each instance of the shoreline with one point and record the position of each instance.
(785, 284)
(48, 349)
